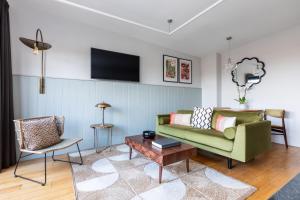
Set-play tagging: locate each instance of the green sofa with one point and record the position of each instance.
(250, 137)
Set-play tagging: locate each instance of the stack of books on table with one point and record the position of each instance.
(163, 143)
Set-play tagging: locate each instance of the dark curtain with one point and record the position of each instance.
(7, 135)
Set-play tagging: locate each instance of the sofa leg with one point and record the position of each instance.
(229, 163)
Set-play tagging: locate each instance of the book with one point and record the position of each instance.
(165, 143)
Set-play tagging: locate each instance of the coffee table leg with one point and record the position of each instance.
(160, 173)
(130, 153)
(187, 165)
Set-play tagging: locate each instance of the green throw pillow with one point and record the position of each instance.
(229, 133)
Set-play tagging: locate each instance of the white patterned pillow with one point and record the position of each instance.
(225, 122)
(202, 117)
(181, 119)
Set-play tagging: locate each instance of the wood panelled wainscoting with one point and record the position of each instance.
(268, 173)
(134, 105)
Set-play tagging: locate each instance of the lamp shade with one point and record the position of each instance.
(103, 105)
(30, 43)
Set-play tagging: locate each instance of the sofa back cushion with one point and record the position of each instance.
(241, 116)
(185, 112)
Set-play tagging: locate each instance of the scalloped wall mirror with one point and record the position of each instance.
(248, 72)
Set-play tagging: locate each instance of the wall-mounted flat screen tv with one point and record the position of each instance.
(114, 66)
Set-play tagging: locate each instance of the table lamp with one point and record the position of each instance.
(103, 106)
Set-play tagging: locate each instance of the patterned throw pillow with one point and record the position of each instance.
(202, 117)
(60, 124)
(224, 122)
(180, 119)
(39, 133)
(172, 117)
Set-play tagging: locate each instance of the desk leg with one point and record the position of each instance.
(187, 165)
(160, 173)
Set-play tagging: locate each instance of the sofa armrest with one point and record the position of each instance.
(251, 139)
(163, 119)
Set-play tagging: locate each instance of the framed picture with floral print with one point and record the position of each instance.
(185, 71)
(170, 69)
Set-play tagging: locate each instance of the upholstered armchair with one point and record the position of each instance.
(33, 127)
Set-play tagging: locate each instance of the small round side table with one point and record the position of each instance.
(96, 128)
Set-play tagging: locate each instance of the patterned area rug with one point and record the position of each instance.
(111, 175)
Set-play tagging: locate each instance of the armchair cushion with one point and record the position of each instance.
(39, 133)
(64, 143)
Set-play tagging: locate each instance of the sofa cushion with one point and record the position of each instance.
(180, 119)
(185, 111)
(224, 122)
(242, 117)
(229, 133)
(202, 117)
(207, 137)
(163, 119)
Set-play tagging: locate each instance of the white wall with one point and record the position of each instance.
(279, 88)
(210, 80)
(70, 55)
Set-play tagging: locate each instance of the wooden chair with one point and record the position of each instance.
(278, 130)
(65, 143)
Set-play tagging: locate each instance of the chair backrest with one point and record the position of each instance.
(277, 113)
(60, 121)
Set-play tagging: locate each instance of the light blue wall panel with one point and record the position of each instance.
(134, 106)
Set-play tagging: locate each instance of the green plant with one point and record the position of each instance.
(242, 98)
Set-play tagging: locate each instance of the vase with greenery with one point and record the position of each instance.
(243, 102)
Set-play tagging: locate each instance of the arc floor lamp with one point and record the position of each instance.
(36, 47)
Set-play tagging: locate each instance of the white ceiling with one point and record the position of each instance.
(199, 28)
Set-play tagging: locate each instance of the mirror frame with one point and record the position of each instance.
(246, 58)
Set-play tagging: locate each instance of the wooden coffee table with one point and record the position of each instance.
(162, 157)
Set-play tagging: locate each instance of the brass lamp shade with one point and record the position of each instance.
(30, 43)
(103, 105)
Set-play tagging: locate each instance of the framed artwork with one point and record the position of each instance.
(185, 71)
(170, 69)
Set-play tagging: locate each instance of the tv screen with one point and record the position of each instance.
(114, 66)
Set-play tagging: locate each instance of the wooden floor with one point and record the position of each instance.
(268, 173)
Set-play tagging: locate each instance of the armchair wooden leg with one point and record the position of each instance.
(68, 161)
(45, 171)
